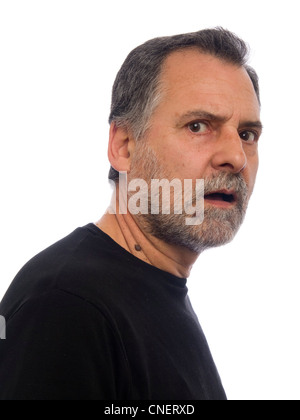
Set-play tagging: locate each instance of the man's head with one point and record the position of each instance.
(187, 107)
(137, 91)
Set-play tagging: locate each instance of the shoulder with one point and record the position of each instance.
(78, 265)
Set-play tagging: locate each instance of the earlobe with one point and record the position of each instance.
(118, 148)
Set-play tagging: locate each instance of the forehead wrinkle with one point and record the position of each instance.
(179, 79)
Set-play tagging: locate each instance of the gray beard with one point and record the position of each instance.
(219, 226)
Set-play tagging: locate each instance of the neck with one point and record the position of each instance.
(124, 230)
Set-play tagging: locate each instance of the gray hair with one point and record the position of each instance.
(137, 91)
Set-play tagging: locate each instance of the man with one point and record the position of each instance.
(104, 313)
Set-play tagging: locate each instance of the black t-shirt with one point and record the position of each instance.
(86, 320)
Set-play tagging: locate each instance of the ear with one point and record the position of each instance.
(120, 147)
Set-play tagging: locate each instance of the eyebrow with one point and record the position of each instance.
(204, 115)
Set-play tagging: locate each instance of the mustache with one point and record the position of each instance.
(227, 181)
(218, 181)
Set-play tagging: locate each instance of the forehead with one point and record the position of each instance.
(194, 79)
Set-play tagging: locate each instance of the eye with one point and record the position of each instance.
(249, 136)
(198, 127)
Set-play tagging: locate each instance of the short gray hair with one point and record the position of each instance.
(136, 90)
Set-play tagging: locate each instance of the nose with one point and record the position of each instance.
(229, 155)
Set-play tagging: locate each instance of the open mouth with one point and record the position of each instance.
(221, 197)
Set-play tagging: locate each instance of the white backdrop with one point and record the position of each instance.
(58, 60)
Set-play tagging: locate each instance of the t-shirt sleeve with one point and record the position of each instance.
(61, 347)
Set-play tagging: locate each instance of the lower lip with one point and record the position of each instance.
(219, 203)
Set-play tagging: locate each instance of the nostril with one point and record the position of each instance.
(235, 163)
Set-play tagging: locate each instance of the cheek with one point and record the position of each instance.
(180, 157)
(186, 164)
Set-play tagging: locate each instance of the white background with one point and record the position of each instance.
(58, 60)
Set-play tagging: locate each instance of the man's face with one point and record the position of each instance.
(205, 127)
